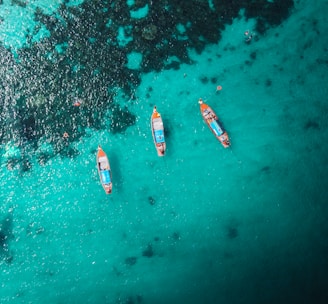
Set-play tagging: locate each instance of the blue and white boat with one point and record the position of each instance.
(157, 129)
(213, 123)
(105, 173)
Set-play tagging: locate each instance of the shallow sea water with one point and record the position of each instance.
(203, 224)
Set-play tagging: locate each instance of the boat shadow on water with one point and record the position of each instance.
(115, 168)
(167, 134)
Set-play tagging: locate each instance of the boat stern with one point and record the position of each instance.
(161, 148)
(224, 139)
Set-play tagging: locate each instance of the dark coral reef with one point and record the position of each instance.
(66, 81)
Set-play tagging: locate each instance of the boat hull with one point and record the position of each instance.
(104, 171)
(212, 121)
(157, 129)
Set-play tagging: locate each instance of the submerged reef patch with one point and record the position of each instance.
(311, 124)
(232, 232)
(67, 81)
(6, 235)
(121, 119)
(130, 261)
(151, 200)
(149, 251)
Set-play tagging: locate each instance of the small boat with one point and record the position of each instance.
(213, 123)
(157, 129)
(105, 173)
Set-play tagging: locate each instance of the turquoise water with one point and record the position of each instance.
(203, 224)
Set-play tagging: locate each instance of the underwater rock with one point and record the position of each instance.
(12, 163)
(266, 169)
(268, 13)
(214, 80)
(130, 300)
(148, 252)
(204, 79)
(121, 120)
(26, 165)
(149, 32)
(311, 124)
(6, 235)
(19, 3)
(70, 152)
(3, 239)
(176, 236)
(151, 200)
(131, 261)
(232, 232)
(29, 127)
(12, 151)
(253, 55)
(43, 158)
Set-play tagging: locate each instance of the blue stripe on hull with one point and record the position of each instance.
(216, 128)
(105, 177)
(159, 136)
